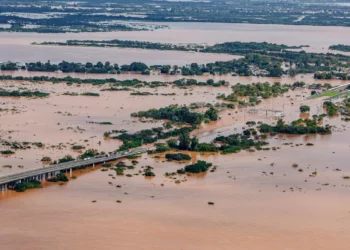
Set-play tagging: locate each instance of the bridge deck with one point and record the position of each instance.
(268, 110)
(66, 166)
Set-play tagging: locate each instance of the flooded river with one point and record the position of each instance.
(17, 46)
(257, 205)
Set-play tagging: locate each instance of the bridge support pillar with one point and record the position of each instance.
(44, 177)
(93, 165)
(3, 187)
(70, 173)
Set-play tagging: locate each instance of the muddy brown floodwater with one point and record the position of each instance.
(260, 201)
(17, 46)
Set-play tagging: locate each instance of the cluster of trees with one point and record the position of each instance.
(247, 47)
(268, 63)
(198, 167)
(346, 107)
(89, 153)
(237, 142)
(255, 62)
(331, 75)
(120, 167)
(146, 136)
(256, 54)
(160, 148)
(124, 44)
(320, 86)
(9, 66)
(70, 80)
(254, 91)
(304, 109)
(306, 126)
(331, 108)
(7, 152)
(178, 114)
(264, 90)
(27, 93)
(23, 186)
(226, 144)
(90, 94)
(59, 177)
(340, 47)
(324, 75)
(236, 48)
(148, 172)
(118, 85)
(185, 142)
(101, 68)
(66, 158)
(178, 157)
(194, 82)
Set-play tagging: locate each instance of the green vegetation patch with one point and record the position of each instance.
(178, 157)
(306, 126)
(23, 186)
(59, 177)
(200, 166)
(16, 93)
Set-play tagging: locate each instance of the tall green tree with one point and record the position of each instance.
(212, 114)
(304, 109)
(194, 143)
(184, 141)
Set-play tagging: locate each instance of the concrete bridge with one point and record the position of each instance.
(265, 110)
(44, 173)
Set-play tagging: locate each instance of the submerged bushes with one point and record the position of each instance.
(59, 177)
(21, 187)
(300, 126)
(200, 166)
(178, 157)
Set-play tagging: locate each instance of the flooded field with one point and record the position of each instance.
(17, 46)
(61, 121)
(257, 205)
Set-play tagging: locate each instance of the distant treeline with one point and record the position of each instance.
(124, 83)
(16, 93)
(260, 59)
(340, 47)
(237, 48)
(99, 15)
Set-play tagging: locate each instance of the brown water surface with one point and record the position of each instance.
(261, 201)
(17, 46)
